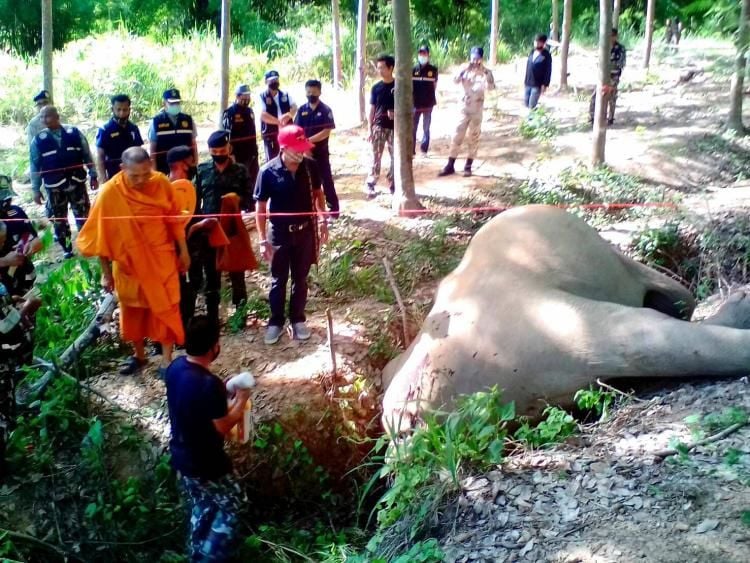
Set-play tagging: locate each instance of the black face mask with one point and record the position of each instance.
(273, 85)
(220, 158)
(313, 99)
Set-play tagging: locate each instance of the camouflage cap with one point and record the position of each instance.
(6, 188)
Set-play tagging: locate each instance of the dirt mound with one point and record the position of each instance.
(607, 496)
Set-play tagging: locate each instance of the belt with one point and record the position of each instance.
(298, 227)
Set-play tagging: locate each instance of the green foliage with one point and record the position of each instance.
(424, 467)
(745, 517)
(658, 245)
(256, 306)
(347, 267)
(431, 256)
(596, 400)
(539, 125)
(712, 423)
(556, 427)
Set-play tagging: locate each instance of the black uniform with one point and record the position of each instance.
(171, 132)
(16, 347)
(294, 238)
(313, 121)
(17, 280)
(424, 79)
(240, 122)
(210, 186)
(270, 131)
(114, 139)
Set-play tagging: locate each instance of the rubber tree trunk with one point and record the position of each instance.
(226, 41)
(405, 197)
(555, 27)
(47, 43)
(338, 78)
(616, 13)
(565, 47)
(650, 5)
(734, 120)
(600, 124)
(361, 56)
(494, 31)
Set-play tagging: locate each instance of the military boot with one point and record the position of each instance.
(467, 167)
(449, 169)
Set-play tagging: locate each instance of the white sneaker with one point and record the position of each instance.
(273, 333)
(300, 331)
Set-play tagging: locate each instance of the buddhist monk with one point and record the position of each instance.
(136, 230)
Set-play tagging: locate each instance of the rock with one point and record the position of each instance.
(681, 527)
(706, 526)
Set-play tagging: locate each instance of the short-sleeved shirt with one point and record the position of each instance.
(211, 185)
(114, 138)
(19, 228)
(381, 97)
(287, 192)
(196, 398)
(313, 121)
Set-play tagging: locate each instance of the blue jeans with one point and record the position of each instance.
(531, 96)
(426, 114)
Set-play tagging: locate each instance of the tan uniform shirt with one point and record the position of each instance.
(475, 82)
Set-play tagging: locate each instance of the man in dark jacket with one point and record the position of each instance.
(424, 77)
(538, 72)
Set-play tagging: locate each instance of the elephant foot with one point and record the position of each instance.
(734, 313)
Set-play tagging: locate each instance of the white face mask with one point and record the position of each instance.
(423, 60)
(295, 157)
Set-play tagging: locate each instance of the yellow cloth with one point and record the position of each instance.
(136, 228)
(186, 199)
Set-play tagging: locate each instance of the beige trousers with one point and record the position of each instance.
(471, 123)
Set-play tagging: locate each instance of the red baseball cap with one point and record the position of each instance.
(293, 137)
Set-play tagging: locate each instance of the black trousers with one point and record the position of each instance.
(201, 277)
(250, 161)
(294, 254)
(271, 145)
(323, 160)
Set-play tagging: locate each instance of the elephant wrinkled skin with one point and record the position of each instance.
(542, 306)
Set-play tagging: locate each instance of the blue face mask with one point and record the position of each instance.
(174, 109)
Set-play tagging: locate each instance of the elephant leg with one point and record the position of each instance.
(645, 343)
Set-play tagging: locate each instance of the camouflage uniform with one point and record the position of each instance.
(19, 232)
(475, 82)
(15, 350)
(617, 59)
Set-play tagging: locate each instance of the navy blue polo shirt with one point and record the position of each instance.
(313, 121)
(287, 192)
(196, 398)
(114, 139)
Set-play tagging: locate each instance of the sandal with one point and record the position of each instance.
(132, 366)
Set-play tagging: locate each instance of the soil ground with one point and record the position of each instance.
(602, 498)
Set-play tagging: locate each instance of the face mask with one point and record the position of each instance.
(220, 158)
(273, 85)
(313, 99)
(423, 60)
(294, 156)
(174, 109)
(192, 171)
(244, 103)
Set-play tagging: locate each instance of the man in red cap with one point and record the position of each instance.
(289, 196)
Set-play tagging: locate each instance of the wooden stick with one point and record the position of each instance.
(600, 383)
(394, 287)
(36, 541)
(711, 439)
(329, 319)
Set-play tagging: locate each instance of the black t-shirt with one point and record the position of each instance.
(196, 398)
(287, 192)
(382, 98)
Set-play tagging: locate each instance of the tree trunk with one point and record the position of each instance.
(600, 124)
(361, 56)
(338, 79)
(226, 41)
(47, 45)
(494, 31)
(555, 27)
(565, 48)
(405, 197)
(734, 120)
(649, 32)
(616, 13)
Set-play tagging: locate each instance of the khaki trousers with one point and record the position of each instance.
(471, 122)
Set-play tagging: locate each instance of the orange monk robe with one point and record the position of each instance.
(137, 229)
(237, 255)
(186, 199)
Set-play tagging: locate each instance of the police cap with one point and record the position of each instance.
(42, 96)
(242, 90)
(177, 154)
(424, 49)
(477, 52)
(171, 96)
(271, 74)
(218, 139)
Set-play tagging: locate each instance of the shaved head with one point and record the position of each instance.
(50, 117)
(136, 165)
